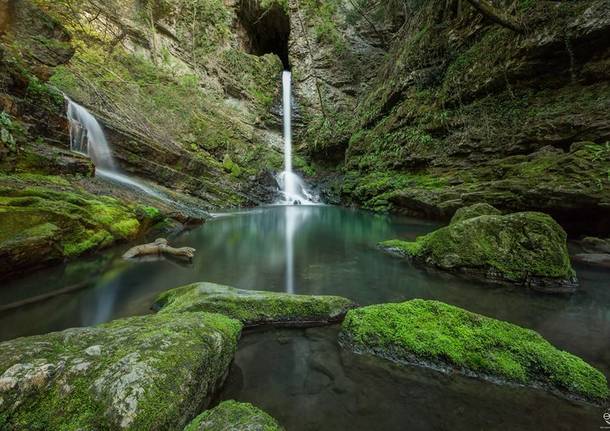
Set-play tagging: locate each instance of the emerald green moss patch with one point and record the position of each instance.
(143, 373)
(443, 336)
(523, 248)
(255, 307)
(82, 222)
(234, 416)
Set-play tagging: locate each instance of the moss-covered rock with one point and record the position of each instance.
(448, 338)
(473, 211)
(234, 416)
(254, 308)
(527, 249)
(142, 373)
(43, 220)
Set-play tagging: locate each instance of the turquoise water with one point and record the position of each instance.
(302, 377)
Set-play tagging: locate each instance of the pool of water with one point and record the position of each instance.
(302, 377)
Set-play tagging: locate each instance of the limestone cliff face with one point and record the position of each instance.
(463, 110)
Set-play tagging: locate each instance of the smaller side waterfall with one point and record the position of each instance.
(292, 186)
(87, 137)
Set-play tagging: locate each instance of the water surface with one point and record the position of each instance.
(302, 377)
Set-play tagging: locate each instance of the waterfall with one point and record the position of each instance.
(87, 137)
(292, 186)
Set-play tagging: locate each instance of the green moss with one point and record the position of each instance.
(234, 416)
(145, 372)
(254, 307)
(95, 239)
(443, 335)
(412, 249)
(84, 222)
(473, 211)
(517, 247)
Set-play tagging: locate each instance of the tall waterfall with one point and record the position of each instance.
(293, 187)
(87, 137)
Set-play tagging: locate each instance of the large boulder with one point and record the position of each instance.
(253, 307)
(143, 373)
(234, 416)
(527, 249)
(450, 339)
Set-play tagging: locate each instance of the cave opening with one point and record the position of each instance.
(267, 30)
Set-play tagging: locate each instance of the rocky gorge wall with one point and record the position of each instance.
(463, 110)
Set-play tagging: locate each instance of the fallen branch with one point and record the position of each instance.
(159, 247)
(496, 15)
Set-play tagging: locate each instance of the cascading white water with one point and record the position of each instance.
(293, 187)
(87, 137)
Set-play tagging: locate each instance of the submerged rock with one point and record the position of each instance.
(450, 339)
(234, 416)
(255, 308)
(527, 249)
(142, 373)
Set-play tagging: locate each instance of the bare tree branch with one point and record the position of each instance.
(496, 15)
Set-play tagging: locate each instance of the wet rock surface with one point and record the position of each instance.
(141, 373)
(527, 249)
(234, 416)
(450, 339)
(255, 308)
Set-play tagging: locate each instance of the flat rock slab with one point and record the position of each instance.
(447, 338)
(143, 373)
(234, 416)
(255, 308)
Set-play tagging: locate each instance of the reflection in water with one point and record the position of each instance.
(328, 250)
(292, 220)
(306, 381)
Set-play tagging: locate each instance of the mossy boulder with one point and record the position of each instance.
(41, 221)
(473, 211)
(255, 308)
(143, 373)
(234, 416)
(450, 339)
(527, 249)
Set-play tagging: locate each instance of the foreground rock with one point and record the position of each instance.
(234, 416)
(527, 249)
(255, 308)
(450, 339)
(142, 373)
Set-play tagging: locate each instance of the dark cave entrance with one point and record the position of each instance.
(267, 30)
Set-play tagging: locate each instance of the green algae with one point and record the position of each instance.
(448, 337)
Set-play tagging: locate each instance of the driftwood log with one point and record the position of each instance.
(159, 247)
